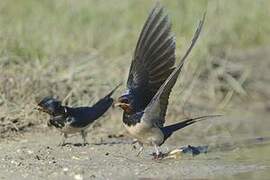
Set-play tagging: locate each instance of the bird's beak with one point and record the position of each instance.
(118, 104)
(38, 108)
(125, 106)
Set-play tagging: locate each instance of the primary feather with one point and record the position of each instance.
(155, 112)
(153, 59)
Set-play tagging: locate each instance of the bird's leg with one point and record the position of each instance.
(158, 154)
(141, 148)
(133, 143)
(157, 151)
(63, 142)
(84, 135)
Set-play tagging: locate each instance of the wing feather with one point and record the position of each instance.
(153, 59)
(155, 112)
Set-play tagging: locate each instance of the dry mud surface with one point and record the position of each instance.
(38, 156)
(240, 145)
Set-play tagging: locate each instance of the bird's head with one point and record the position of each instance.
(50, 105)
(124, 103)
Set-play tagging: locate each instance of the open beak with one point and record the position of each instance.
(126, 107)
(118, 104)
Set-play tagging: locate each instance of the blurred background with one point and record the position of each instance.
(79, 50)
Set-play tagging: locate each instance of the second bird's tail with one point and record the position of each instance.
(109, 95)
(169, 130)
(100, 107)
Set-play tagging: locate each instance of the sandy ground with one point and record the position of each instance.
(38, 156)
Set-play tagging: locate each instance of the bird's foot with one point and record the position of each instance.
(158, 156)
(133, 143)
(139, 153)
(140, 150)
(61, 144)
(85, 144)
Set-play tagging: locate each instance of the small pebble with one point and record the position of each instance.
(65, 169)
(75, 157)
(78, 177)
(12, 162)
(30, 152)
(19, 150)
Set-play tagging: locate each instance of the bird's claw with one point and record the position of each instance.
(134, 147)
(138, 154)
(62, 144)
(158, 156)
(133, 143)
(85, 144)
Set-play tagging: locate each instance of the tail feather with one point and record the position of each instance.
(169, 130)
(105, 103)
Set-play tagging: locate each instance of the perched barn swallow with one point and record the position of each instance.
(70, 120)
(152, 76)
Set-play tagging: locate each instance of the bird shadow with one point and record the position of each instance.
(96, 144)
(112, 143)
(75, 144)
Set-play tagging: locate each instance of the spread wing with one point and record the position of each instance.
(154, 57)
(155, 112)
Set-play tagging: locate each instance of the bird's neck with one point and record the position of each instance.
(133, 119)
(61, 111)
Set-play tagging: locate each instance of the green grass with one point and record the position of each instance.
(81, 49)
(44, 29)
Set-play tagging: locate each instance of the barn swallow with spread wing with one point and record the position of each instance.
(70, 120)
(152, 76)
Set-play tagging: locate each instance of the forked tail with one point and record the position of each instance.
(169, 130)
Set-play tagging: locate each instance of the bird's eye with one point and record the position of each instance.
(123, 100)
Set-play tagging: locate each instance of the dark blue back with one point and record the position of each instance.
(82, 116)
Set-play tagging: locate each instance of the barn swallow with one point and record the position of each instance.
(152, 76)
(70, 120)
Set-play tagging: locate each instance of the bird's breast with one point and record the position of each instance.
(66, 127)
(136, 129)
(145, 134)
